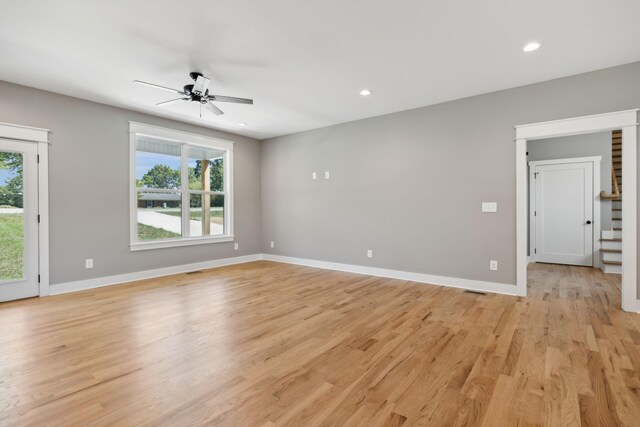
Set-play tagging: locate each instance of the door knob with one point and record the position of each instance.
(588, 222)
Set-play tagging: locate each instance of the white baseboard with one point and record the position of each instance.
(633, 306)
(453, 282)
(80, 285)
(473, 285)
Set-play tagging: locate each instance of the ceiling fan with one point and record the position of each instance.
(198, 92)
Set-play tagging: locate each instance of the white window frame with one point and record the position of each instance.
(185, 140)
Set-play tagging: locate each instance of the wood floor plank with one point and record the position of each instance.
(268, 344)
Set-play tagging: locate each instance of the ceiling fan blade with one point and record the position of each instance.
(201, 86)
(215, 110)
(171, 101)
(168, 89)
(221, 98)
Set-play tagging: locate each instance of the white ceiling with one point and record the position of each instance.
(304, 61)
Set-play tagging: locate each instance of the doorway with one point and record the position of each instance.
(627, 121)
(563, 207)
(23, 232)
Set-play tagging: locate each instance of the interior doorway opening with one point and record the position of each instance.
(624, 124)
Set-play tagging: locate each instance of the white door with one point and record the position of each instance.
(18, 220)
(563, 213)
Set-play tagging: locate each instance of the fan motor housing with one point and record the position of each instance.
(188, 89)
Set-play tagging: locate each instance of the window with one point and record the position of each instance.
(181, 188)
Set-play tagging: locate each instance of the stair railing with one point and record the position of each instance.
(616, 190)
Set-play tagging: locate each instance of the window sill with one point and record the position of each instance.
(189, 241)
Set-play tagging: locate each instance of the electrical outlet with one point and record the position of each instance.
(489, 207)
(326, 175)
(314, 176)
(235, 247)
(493, 265)
(88, 263)
(369, 253)
(273, 244)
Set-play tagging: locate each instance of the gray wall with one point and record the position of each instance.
(595, 144)
(409, 185)
(89, 187)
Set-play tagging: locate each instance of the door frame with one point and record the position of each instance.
(595, 241)
(627, 121)
(40, 137)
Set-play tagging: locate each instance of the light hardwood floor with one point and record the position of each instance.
(272, 344)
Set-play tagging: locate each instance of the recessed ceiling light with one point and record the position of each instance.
(365, 92)
(530, 47)
(242, 124)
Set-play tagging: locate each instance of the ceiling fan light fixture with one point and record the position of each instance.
(530, 47)
(198, 92)
(201, 86)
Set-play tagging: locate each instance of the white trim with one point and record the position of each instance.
(185, 204)
(80, 285)
(633, 307)
(184, 241)
(521, 216)
(597, 211)
(179, 136)
(23, 133)
(474, 285)
(596, 185)
(532, 215)
(452, 282)
(625, 120)
(43, 210)
(133, 192)
(630, 300)
(592, 159)
(228, 189)
(577, 125)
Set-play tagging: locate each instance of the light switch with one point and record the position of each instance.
(314, 176)
(489, 207)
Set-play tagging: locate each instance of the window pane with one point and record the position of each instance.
(11, 217)
(206, 215)
(157, 164)
(206, 169)
(159, 215)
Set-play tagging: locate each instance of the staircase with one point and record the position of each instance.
(611, 240)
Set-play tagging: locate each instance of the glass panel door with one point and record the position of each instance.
(18, 220)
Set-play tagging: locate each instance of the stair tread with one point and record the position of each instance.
(616, 219)
(611, 250)
(615, 239)
(617, 229)
(612, 262)
(616, 209)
